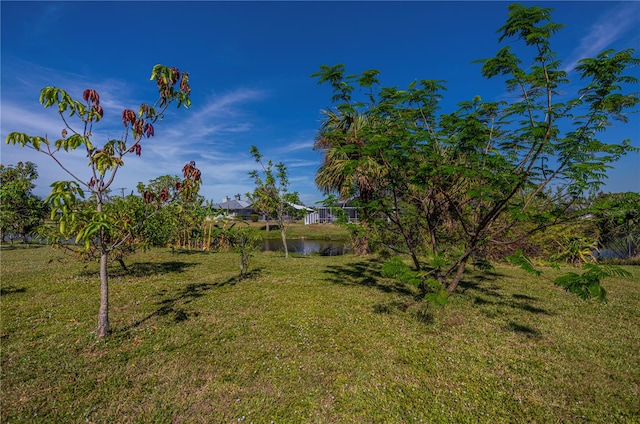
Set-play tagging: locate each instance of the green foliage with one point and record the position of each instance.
(396, 268)
(21, 212)
(617, 217)
(576, 250)
(477, 178)
(179, 209)
(432, 289)
(271, 196)
(244, 241)
(91, 224)
(588, 284)
(522, 261)
(436, 294)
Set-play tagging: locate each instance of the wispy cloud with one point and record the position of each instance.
(215, 132)
(211, 122)
(612, 26)
(297, 145)
(200, 134)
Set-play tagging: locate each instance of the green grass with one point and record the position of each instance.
(298, 230)
(312, 339)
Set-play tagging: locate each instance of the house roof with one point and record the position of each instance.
(300, 207)
(237, 204)
(233, 204)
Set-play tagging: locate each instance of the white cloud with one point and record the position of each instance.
(298, 145)
(612, 26)
(216, 134)
(175, 144)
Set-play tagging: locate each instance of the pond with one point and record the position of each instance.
(308, 247)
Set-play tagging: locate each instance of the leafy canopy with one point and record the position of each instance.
(445, 188)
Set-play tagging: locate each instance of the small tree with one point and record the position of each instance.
(95, 225)
(162, 228)
(21, 212)
(175, 224)
(271, 194)
(442, 187)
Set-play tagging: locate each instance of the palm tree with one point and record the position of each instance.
(347, 169)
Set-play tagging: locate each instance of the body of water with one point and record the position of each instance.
(308, 247)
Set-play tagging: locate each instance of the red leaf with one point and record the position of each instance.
(98, 110)
(128, 116)
(91, 96)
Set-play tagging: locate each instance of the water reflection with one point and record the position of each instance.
(308, 247)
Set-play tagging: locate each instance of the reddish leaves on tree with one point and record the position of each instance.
(184, 84)
(98, 109)
(138, 126)
(128, 116)
(167, 79)
(192, 180)
(148, 197)
(164, 195)
(190, 172)
(147, 111)
(137, 148)
(148, 130)
(176, 75)
(91, 97)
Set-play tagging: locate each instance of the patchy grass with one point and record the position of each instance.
(309, 339)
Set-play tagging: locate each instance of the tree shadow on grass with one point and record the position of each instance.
(175, 304)
(489, 296)
(239, 278)
(144, 269)
(20, 246)
(365, 273)
(175, 251)
(479, 283)
(523, 329)
(11, 290)
(524, 297)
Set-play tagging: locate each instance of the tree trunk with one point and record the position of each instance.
(453, 285)
(360, 244)
(283, 233)
(103, 313)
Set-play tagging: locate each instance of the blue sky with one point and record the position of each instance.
(250, 65)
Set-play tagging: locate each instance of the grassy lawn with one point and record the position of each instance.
(312, 339)
(298, 230)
